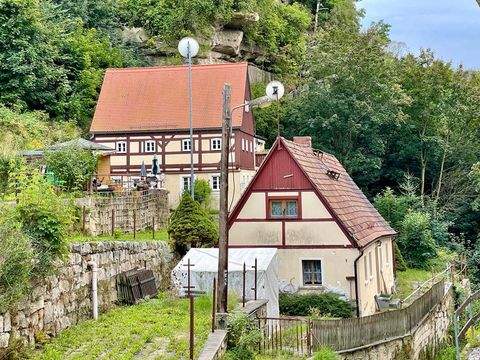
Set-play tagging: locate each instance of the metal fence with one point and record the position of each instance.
(303, 335)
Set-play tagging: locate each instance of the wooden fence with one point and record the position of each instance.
(351, 333)
(303, 336)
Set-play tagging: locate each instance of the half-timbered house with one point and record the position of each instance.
(328, 235)
(143, 113)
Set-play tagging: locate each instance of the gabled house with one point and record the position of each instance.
(328, 235)
(143, 113)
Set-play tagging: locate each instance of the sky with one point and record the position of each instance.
(451, 28)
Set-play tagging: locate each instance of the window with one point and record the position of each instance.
(215, 144)
(121, 146)
(365, 269)
(370, 268)
(386, 254)
(251, 146)
(284, 208)
(215, 182)
(186, 145)
(150, 146)
(243, 144)
(312, 272)
(185, 184)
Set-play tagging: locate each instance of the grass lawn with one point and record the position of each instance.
(154, 329)
(409, 280)
(147, 235)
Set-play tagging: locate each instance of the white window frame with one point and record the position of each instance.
(216, 144)
(370, 265)
(218, 183)
(150, 142)
(186, 145)
(321, 273)
(119, 145)
(243, 144)
(182, 183)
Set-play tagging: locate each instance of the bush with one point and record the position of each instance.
(191, 226)
(73, 167)
(327, 304)
(325, 353)
(16, 259)
(45, 218)
(416, 241)
(202, 192)
(243, 336)
(394, 208)
(9, 166)
(400, 264)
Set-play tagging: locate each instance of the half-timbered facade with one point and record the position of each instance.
(328, 235)
(143, 113)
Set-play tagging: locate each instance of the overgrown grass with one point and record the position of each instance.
(154, 329)
(146, 235)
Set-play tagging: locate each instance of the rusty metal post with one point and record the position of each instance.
(113, 222)
(192, 325)
(153, 227)
(244, 273)
(254, 288)
(84, 218)
(134, 223)
(214, 305)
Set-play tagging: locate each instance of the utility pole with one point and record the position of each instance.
(223, 216)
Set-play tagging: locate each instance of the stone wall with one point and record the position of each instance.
(63, 300)
(422, 343)
(132, 210)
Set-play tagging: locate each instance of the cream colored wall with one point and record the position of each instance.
(118, 160)
(180, 158)
(312, 207)
(211, 158)
(256, 233)
(381, 277)
(138, 159)
(173, 182)
(337, 265)
(254, 207)
(314, 233)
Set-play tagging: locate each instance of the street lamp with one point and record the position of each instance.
(188, 48)
(274, 92)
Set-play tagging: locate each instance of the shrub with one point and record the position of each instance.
(416, 241)
(400, 264)
(202, 192)
(73, 167)
(394, 208)
(191, 226)
(45, 218)
(325, 353)
(326, 304)
(243, 336)
(9, 166)
(16, 259)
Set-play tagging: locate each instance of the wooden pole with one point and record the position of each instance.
(255, 267)
(192, 325)
(134, 224)
(214, 306)
(244, 273)
(223, 216)
(153, 227)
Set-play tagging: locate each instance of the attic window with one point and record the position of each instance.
(333, 174)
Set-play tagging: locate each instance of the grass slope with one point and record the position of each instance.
(154, 329)
(147, 235)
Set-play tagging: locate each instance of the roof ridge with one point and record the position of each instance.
(175, 67)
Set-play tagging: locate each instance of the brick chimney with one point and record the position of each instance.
(303, 140)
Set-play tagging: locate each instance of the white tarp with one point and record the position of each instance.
(205, 261)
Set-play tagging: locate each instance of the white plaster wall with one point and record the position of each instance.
(312, 207)
(314, 233)
(254, 207)
(256, 233)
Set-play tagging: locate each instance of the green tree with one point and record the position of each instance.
(202, 192)
(46, 218)
(74, 167)
(191, 226)
(416, 241)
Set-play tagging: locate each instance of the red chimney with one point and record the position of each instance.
(303, 140)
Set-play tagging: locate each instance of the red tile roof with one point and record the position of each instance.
(351, 207)
(156, 98)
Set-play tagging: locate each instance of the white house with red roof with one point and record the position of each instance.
(143, 113)
(328, 235)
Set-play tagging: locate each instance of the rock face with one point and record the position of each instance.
(134, 35)
(228, 42)
(63, 300)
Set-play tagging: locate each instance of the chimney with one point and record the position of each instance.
(303, 140)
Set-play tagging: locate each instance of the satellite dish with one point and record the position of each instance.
(186, 45)
(275, 90)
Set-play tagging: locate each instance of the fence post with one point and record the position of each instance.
(244, 273)
(456, 328)
(84, 219)
(309, 338)
(255, 267)
(134, 223)
(113, 222)
(153, 227)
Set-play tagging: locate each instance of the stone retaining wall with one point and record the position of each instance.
(63, 300)
(422, 343)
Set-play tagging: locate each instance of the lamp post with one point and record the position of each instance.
(188, 48)
(274, 92)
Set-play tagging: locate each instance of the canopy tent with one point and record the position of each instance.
(205, 268)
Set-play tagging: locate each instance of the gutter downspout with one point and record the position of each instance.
(357, 294)
(94, 267)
